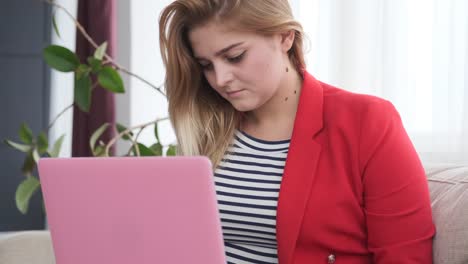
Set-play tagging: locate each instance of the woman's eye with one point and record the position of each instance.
(236, 58)
(207, 66)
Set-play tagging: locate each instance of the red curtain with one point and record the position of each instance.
(99, 20)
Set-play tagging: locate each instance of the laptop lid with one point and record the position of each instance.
(123, 210)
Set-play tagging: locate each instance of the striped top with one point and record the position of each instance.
(247, 183)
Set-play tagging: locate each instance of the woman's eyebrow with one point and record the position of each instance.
(224, 50)
(228, 48)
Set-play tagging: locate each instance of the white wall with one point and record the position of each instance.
(62, 83)
(138, 50)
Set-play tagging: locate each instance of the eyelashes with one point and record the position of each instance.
(234, 60)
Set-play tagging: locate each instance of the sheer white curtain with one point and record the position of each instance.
(411, 52)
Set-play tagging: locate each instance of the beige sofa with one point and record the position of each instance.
(448, 186)
(449, 195)
(28, 247)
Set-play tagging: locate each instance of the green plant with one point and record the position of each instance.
(102, 68)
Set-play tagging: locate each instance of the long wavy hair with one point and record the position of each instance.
(203, 121)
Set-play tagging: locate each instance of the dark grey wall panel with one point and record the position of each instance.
(25, 27)
(10, 218)
(23, 21)
(24, 94)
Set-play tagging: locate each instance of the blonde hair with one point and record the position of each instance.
(203, 121)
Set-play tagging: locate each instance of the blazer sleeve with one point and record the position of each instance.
(396, 196)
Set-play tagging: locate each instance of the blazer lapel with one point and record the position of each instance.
(300, 167)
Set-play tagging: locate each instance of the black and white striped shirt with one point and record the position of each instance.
(247, 182)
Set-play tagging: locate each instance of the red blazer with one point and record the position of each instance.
(354, 190)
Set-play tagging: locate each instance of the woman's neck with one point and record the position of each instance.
(275, 119)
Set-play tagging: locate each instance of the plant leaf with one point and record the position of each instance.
(83, 93)
(57, 146)
(144, 150)
(82, 71)
(54, 23)
(24, 192)
(100, 151)
(95, 64)
(171, 151)
(26, 134)
(18, 146)
(61, 58)
(121, 128)
(157, 148)
(28, 164)
(111, 80)
(96, 135)
(36, 156)
(100, 51)
(156, 133)
(42, 143)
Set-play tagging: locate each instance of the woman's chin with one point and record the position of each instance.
(242, 107)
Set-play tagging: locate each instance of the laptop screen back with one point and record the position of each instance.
(124, 210)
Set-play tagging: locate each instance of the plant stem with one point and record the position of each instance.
(157, 88)
(134, 143)
(109, 58)
(57, 117)
(121, 134)
(139, 132)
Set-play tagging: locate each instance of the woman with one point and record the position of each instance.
(305, 172)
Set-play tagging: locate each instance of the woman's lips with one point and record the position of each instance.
(234, 93)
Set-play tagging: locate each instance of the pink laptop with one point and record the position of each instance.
(125, 210)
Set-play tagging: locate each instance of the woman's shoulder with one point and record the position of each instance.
(333, 94)
(340, 102)
(357, 114)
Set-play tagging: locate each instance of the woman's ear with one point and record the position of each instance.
(287, 40)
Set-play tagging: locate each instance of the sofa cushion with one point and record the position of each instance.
(26, 247)
(448, 186)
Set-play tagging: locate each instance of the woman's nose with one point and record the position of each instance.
(223, 76)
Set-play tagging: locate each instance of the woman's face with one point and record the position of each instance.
(245, 68)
